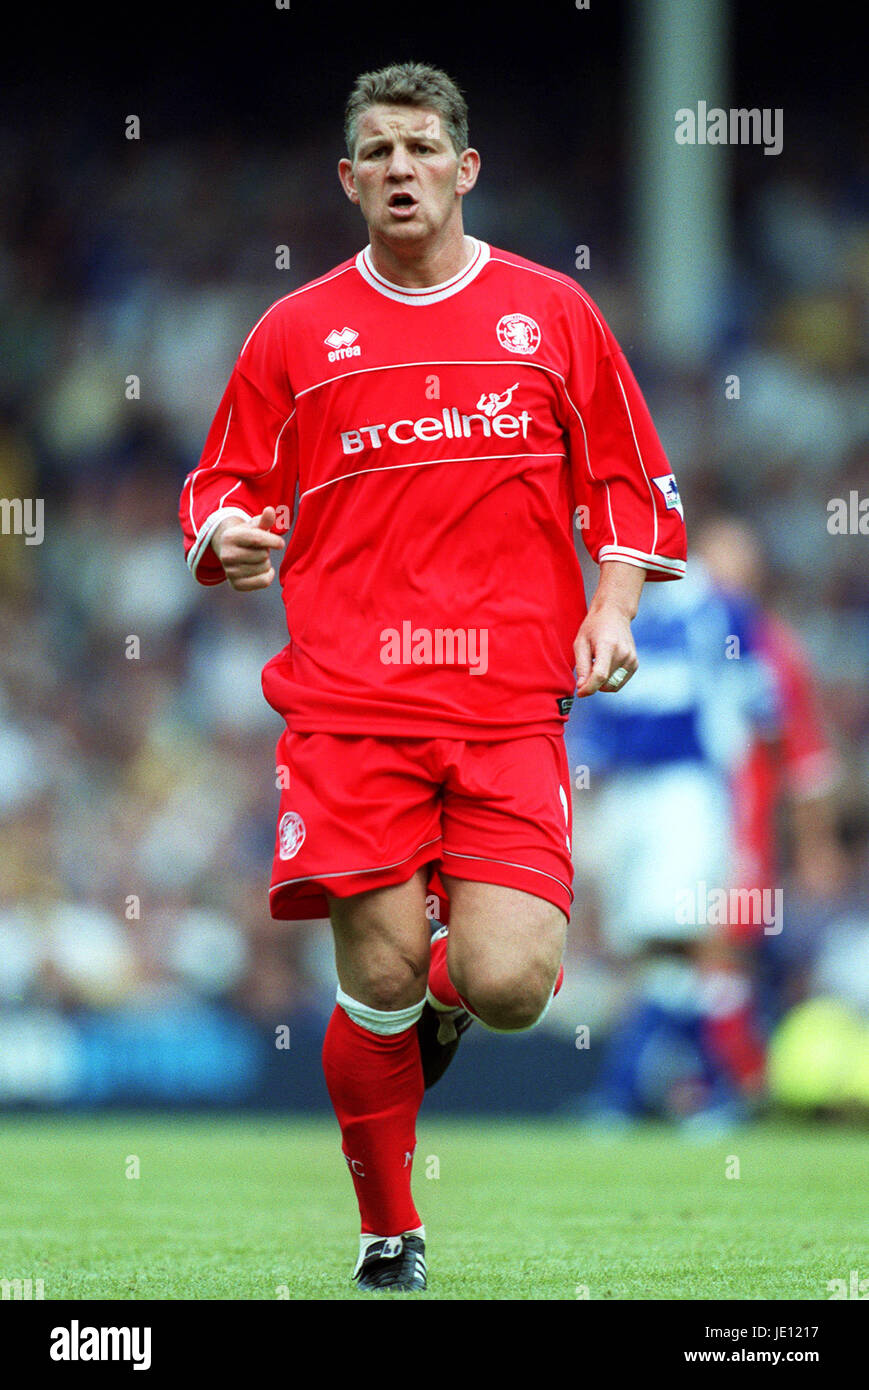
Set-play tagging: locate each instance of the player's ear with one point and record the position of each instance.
(469, 168)
(348, 183)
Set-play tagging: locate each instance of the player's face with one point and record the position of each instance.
(406, 176)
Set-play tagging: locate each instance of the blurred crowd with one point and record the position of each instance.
(137, 802)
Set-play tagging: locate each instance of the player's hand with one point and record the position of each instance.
(604, 650)
(243, 548)
(606, 657)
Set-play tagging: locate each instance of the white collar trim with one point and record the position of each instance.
(424, 294)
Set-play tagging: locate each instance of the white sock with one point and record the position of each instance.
(386, 1022)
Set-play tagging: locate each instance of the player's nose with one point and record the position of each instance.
(400, 163)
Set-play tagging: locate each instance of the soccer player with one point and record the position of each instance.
(668, 749)
(795, 777)
(785, 791)
(442, 410)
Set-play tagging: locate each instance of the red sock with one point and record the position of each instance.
(441, 986)
(376, 1087)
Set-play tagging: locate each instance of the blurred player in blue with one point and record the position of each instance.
(652, 776)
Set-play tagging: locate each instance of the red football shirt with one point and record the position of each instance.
(442, 443)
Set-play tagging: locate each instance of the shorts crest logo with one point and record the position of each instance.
(291, 834)
(518, 333)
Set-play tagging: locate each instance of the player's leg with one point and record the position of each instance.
(507, 870)
(373, 1072)
(382, 944)
(358, 825)
(503, 953)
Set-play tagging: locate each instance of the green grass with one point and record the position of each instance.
(237, 1208)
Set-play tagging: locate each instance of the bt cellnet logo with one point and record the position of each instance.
(488, 419)
(490, 403)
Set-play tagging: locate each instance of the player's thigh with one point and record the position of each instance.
(382, 943)
(500, 934)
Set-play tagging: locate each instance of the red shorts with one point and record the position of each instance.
(362, 813)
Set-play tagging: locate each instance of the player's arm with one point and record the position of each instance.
(248, 471)
(628, 504)
(627, 498)
(605, 645)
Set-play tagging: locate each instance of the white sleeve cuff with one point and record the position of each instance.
(662, 563)
(207, 530)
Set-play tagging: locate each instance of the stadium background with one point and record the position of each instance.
(137, 960)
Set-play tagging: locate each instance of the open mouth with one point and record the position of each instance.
(402, 203)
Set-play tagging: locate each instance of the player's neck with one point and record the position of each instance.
(418, 268)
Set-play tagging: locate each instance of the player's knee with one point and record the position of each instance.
(511, 997)
(381, 949)
(392, 984)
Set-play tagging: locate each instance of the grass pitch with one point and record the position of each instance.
(253, 1208)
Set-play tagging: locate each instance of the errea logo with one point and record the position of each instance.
(343, 344)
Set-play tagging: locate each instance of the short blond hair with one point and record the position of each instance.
(408, 84)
